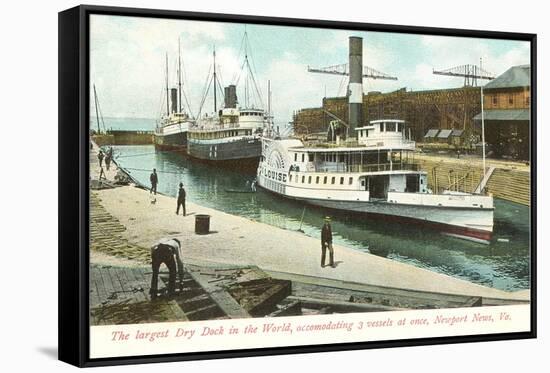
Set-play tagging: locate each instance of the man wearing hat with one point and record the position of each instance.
(326, 241)
(154, 181)
(181, 200)
(167, 251)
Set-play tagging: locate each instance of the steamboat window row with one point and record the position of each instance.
(247, 114)
(219, 134)
(318, 180)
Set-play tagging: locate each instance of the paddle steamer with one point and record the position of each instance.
(374, 175)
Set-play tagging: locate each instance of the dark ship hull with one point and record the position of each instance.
(171, 142)
(242, 154)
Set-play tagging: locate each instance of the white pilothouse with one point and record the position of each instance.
(375, 175)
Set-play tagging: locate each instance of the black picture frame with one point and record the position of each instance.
(73, 130)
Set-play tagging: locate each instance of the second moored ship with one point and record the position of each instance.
(173, 126)
(232, 138)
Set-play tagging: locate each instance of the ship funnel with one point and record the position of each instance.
(174, 99)
(230, 93)
(355, 88)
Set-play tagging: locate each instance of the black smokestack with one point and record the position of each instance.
(230, 93)
(174, 99)
(355, 90)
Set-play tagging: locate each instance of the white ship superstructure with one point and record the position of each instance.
(231, 136)
(374, 175)
(172, 128)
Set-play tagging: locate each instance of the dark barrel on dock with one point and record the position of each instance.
(202, 224)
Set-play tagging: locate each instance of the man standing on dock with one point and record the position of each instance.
(181, 200)
(326, 242)
(154, 181)
(167, 251)
(100, 157)
(108, 160)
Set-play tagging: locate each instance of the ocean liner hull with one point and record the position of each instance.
(171, 142)
(242, 154)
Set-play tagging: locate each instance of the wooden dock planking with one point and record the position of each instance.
(222, 298)
(115, 281)
(335, 306)
(125, 282)
(338, 290)
(98, 280)
(260, 296)
(214, 293)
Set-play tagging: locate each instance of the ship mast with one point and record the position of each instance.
(167, 92)
(482, 126)
(247, 77)
(215, 98)
(97, 112)
(250, 84)
(179, 77)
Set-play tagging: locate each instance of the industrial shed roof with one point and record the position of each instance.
(515, 76)
(431, 133)
(444, 134)
(505, 114)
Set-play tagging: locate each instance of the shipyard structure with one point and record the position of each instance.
(443, 118)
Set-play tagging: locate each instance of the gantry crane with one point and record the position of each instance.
(356, 72)
(343, 69)
(470, 73)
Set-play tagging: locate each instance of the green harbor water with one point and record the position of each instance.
(504, 264)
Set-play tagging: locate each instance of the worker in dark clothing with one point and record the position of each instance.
(167, 251)
(181, 200)
(108, 160)
(154, 181)
(326, 242)
(100, 156)
(102, 174)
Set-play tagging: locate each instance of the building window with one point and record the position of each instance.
(341, 181)
(309, 180)
(495, 101)
(333, 180)
(310, 156)
(303, 158)
(510, 100)
(290, 177)
(303, 179)
(350, 180)
(390, 127)
(317, 180)
(325, 180)
(295, 157)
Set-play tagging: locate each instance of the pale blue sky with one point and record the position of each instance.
(127, 61)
